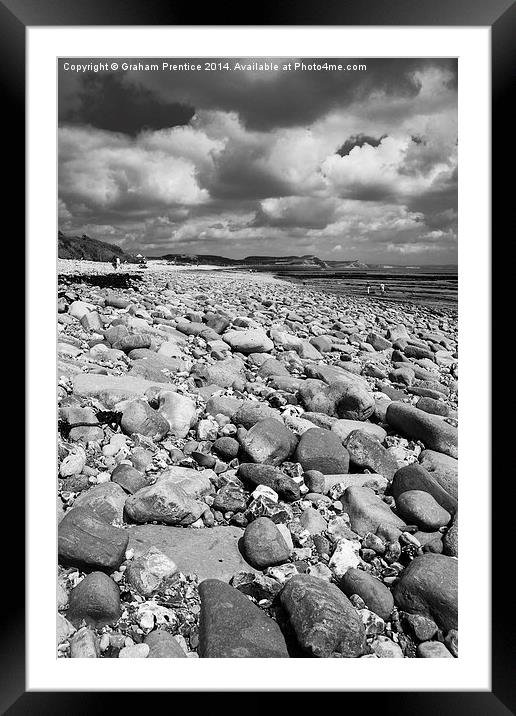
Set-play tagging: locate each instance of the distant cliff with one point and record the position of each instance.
(275, 261)
(86, 248)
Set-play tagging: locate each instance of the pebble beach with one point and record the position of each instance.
(249, 468)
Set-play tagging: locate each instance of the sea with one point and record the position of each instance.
(425, 285)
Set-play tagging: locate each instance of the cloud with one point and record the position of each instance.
(101, 170)
(358, 140)
(118, 101)
(368, 166)
(106, 100)
(295, 211)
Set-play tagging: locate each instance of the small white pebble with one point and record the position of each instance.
(146, 621)
(129, 554)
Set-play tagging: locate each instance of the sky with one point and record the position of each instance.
(341, 164)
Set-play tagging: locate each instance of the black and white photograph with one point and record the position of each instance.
(257, 358)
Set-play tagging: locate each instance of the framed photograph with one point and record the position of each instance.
(265, 247)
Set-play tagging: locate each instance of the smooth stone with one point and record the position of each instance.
(84, 644)
(451, 538)
(226, 447)
(385, 648)
(433, 650)
(168, 500)
(253, 340)
(271, 477)
(221, 373)
(452, 642)
(367, 512)
(429, 586)
(343, 428)
(111, 389)
(196, 483)
(419, 508)
(375, 594)
(422, 627)
(308, 351)
(430, 541)
(152, 370)
(86, 434)
(314, 480)
(135, 651)
(322, 450)
(321, 420)
(366, 452)
(378, 342)
(223, 405)
(86, 541)
(264, 545)
(231, 626)
(73, 463)
(343, 399)
(147, 572)
(433, 406)
(272, 366)
(64, 629)
(269, 442)
(443, 468)
(131, 341)
(313, 521)
(415, 477)
(397, 332)
(162, 645)
(106, 501)
(78, 309)
(128, 478)
(179, 411)
(209, 553)
(252, 412)
(95, 600)
(324, 620)
(418, 425)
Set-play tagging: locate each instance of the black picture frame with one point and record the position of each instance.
(500, 15)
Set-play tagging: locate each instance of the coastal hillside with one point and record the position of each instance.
(85, 248)
(273, 261)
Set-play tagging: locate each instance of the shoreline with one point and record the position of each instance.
(73, 266)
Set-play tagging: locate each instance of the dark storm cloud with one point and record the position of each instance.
(106, 101)
(263, 100)
(358, 140)
(287, 99)
(238, 175)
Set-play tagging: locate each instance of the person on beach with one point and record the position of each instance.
(382, 287)
(368, 289)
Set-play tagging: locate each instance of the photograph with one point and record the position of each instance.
(257, 358)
